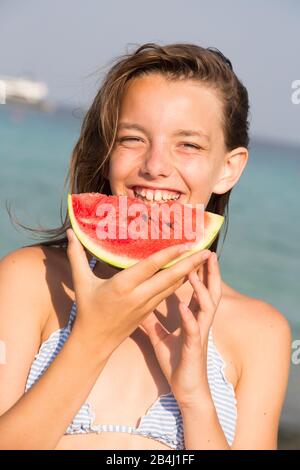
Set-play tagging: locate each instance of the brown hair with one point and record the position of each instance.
(90, 156)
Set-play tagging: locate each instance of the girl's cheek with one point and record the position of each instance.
(118, 165)
(122, 160)
(195, 173)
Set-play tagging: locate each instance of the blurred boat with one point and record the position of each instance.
(24, 91)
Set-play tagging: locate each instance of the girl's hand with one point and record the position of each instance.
(110, 310)
(182, 355)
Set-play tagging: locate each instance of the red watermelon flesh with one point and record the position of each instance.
(160, 231)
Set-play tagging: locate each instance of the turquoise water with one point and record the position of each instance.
(260, 256)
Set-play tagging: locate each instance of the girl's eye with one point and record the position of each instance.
(129, 138)
(192, 146)
(136, 139)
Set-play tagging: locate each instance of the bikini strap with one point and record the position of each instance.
(73, 311)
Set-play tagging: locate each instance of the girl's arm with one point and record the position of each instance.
(266, 359)
(38, 419)
(264, 338)
(261, 337)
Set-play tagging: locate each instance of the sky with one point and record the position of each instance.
(71, 43)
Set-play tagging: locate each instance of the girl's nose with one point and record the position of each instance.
(157, 163)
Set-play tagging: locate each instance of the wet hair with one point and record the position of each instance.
(184, 61)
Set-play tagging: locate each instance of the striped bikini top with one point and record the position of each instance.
(162, 421)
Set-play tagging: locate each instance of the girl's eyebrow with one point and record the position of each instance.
(178, 132)
(190, 133)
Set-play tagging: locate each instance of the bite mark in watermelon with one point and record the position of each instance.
(124, 251)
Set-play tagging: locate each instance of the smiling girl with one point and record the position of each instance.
(143, 358)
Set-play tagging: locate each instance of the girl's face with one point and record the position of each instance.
(170, 141)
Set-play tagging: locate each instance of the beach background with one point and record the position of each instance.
(260, 256)
(69, 45)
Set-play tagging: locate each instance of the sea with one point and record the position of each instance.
(259, 256)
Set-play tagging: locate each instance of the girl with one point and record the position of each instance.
(143, 358)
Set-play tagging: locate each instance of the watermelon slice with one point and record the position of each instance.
(111, 228)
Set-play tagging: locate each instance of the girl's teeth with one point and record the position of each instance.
(149, 195)
(157, 195)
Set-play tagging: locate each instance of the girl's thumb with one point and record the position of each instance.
(78, 260)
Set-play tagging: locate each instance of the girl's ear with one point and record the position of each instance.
(231, 170)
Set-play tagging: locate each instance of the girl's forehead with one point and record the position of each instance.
(159, 85)
(158, 103)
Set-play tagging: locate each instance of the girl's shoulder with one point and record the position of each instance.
(42, 273)
(250, 327)
(248, 314)
(36, 296)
